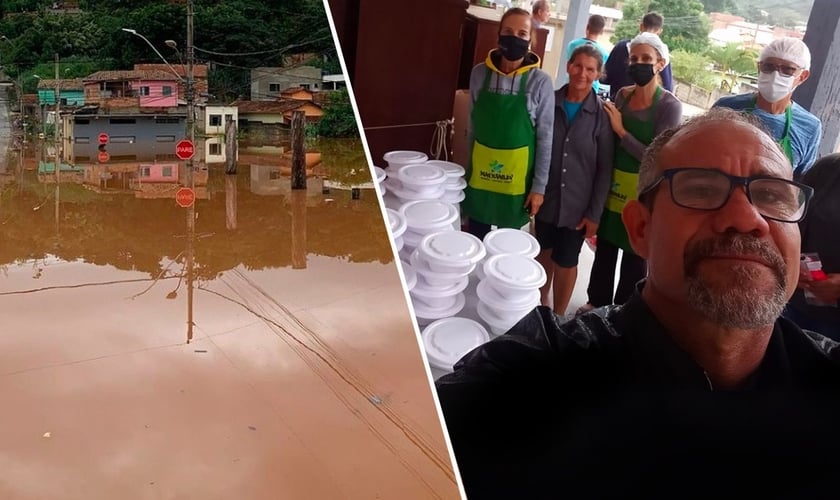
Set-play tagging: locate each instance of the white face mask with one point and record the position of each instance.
(774, 87)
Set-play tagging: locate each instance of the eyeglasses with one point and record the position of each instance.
(708, 189)
(783, 69)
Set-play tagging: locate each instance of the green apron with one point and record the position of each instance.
(502, 163)
(784, 143)
(625, 176)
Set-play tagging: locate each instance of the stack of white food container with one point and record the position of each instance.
(418, 181)
(398, 159)
(455, 182)
(424, 217)
(447, 340)
(379, 178)
(410, 275)
(508, 240)
(397, 226)
(443, 262)
(509, 290)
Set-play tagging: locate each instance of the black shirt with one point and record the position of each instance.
(608, 405)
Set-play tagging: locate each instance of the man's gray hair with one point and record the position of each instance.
(650, 159)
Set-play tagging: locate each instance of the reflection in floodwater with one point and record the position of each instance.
(315, 396)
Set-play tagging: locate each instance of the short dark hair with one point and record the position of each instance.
(653, 21)
(596, 24)
(588, 49)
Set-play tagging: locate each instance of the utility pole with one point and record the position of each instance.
(190, 89)
(58, 140)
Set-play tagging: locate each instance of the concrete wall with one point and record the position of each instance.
(143, 139)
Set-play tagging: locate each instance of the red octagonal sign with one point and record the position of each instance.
(185, 197)
(184, 149)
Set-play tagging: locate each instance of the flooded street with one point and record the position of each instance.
(264, 352)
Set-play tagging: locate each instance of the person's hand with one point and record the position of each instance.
(533, 203)
(827, 290)
(804, 278)
(615, 119)
(591, 227)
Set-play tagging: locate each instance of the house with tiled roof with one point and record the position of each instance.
(71, 92)
(144, 88)
(276, 112)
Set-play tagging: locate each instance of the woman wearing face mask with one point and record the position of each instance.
(783, 65)
(511, 119)
(641, 111)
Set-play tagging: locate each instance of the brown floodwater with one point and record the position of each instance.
(263, 351)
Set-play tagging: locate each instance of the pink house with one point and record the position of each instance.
(158, 172)
(156, 93)
(120, 89)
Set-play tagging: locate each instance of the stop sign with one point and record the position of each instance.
(103, 138)
(104, 156)
(185, 197)
(184, 149)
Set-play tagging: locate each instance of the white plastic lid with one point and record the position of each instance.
(432, 193)
(507, 240)
(429, 214)
(491, 319)
(452, 169)
(516, 272)
(491, 297)
(421, 174)
(448, 340)
(379, 174)
(425, 312)
(410, 275)
(457, 183)
(423, 289)
(451, 247)
(404, 157)
(397, 222)
(422, 268)
(453, 196)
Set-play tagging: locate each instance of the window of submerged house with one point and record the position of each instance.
(215, 120)
(215, 149)
(274, 87)
(144, 91)
(167, 90)
(167, 171)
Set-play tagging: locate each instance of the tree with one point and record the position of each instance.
(690, 67)
(727, 6)
(338, 119)
(686, 26)
(733, 61)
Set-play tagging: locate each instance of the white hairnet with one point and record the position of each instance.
(654, 41)
(788, 49)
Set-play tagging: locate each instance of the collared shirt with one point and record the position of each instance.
(581, 163)
(608, 405)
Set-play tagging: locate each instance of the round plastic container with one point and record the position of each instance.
(456, 184)
(407, 195)
(453, 196)
(422, 178)
(497, 325)
(436, 278)
(425, 314)
(451, 251)
(379, 174)
(513, 276)
(400, 158)
(496, 302)
(396, 223)
(453, 170)
(515, 241)
(410, 275)
(424, 216)
(448, 340)
(437, 296)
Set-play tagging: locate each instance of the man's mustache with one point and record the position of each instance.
(735, 245)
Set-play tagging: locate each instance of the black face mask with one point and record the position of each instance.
(641, 74)
(512, 47)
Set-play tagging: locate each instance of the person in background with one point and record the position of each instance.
(615, 68)
(581, 166)
(669, 395)
(594, 29)
(783, 65)
(509, 132)
(541, 13)
(819, 311)
(640, 112)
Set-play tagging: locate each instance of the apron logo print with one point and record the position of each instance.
(615, 191)
(495, 174)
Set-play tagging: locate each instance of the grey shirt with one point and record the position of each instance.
(668, 114)
(581, 163)
(540, 102)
